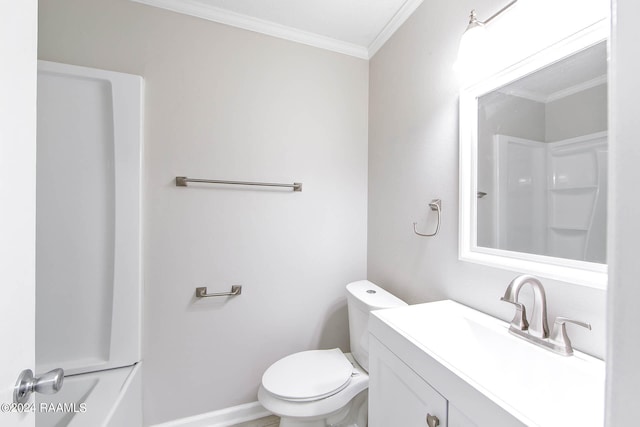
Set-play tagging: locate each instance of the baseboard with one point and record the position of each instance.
(222, 418)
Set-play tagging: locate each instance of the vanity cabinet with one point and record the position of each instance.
(398, 396)
(463, 367)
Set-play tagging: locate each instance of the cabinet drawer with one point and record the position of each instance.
(397, 395)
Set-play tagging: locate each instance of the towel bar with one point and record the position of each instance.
(181, 181)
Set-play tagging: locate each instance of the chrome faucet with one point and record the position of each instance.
(537, 326)
(537, 330)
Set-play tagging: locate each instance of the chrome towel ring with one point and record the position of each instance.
(435, 205)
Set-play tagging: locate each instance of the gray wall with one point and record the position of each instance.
(579, 114)
(224, 103)
(413, 157)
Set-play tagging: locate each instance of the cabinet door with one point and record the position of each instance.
(397, 395)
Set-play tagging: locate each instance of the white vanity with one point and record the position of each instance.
(444, 364)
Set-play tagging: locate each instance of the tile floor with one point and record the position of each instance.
(271, 421)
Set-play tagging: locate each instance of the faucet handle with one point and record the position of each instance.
(520, 319)
(559, 335)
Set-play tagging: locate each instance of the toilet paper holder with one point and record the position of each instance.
(201, 292)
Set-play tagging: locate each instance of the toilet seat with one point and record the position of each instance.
(317, 409)
(308, 375)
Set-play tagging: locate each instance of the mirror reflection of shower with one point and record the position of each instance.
(542, 161)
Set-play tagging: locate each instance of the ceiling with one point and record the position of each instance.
(352, 27)
(575, 73)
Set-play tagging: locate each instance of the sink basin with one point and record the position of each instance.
(531, 383)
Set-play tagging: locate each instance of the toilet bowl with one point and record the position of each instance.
(320, 388)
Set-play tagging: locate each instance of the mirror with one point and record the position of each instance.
(534, 165)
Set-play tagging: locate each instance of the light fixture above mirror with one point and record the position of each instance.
(474, 49)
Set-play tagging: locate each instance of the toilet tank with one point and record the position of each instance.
(363, 297)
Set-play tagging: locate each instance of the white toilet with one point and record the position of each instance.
(321, 388)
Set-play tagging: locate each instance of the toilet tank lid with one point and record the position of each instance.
(373, 296)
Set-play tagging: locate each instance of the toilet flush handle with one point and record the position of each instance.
(432, 421)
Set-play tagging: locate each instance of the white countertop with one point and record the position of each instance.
(536, 386)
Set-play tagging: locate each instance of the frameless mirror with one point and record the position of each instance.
(534, 165)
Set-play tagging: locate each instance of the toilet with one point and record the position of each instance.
(320, 388)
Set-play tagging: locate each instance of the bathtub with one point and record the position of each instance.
(108, 398)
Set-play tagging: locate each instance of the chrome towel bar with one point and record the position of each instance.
(181, 181)
(435, 205)
(202, 292)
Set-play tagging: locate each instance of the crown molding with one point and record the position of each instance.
(563, 93)
(222, 16)
(600, 80)
(392, 26)
(526, 94)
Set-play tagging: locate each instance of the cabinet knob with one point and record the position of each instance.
(432, 421)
